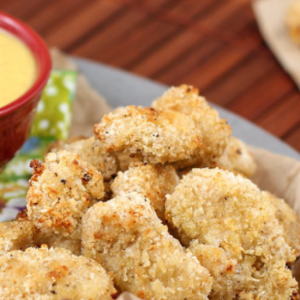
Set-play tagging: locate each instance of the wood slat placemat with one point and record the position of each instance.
(212, 44)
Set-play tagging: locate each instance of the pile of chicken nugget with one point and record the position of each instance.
(157, 203)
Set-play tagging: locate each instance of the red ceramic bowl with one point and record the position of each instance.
(16, 117)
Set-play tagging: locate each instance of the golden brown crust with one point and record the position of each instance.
(213, 130)
(227, 216)
(239, 239)
(236, 158)
(127, 237)
(61, 190)
(42, 274)
(153, 182)
(149, 135)
(21, 234)
(92, 151)
(290, 222)
(16, 235)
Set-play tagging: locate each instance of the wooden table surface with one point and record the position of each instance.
(212, 44)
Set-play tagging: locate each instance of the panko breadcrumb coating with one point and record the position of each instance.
(16, 235)
(153, 182)
(61, 190)
(231, 226)
(290, 222)
(92, 151)
(129, 240)
(150, 135)
(55, 274)
(213, 130)
(250, 280)
(237, 158)
(293, 21)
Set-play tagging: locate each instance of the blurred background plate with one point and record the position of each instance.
(121, 88)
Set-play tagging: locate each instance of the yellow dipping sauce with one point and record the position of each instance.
(17, 68)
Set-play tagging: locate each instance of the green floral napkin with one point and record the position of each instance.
(52, 121)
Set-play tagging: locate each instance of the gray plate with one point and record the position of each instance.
(122, 88)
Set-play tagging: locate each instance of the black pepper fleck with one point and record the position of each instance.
(87, 177)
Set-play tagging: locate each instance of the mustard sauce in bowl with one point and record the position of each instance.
(17, 68)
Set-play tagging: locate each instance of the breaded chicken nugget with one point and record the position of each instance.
(61, 190)
(129, 240)
(16, 235)
(290, 222)
(42, 274)
(150, 135)
(92, 151)
(153, 182)
(251, 279)
(213, 130)
(237, 158)
(231, 226)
